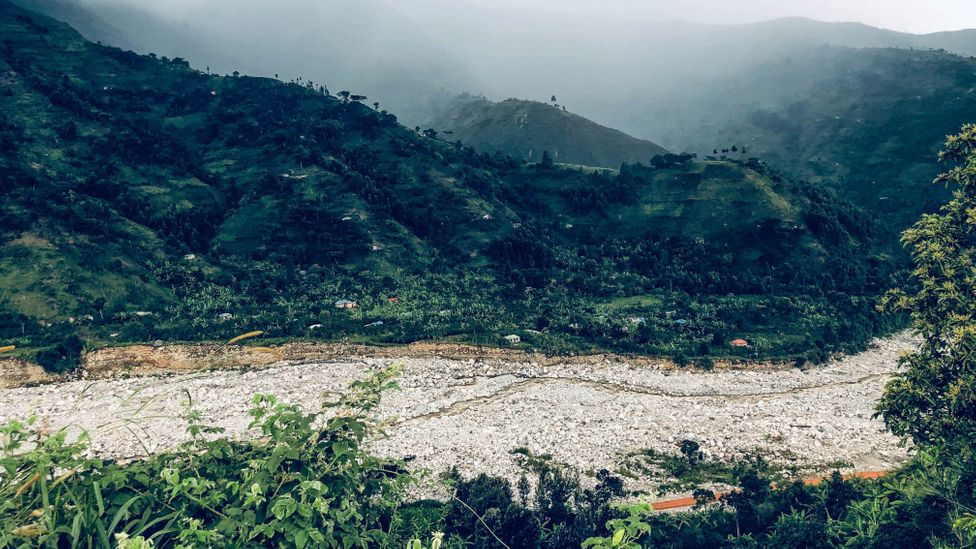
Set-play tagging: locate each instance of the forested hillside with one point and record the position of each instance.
(867, 123)
(528, 129)
(146, 200)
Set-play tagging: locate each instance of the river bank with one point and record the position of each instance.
(471, 412)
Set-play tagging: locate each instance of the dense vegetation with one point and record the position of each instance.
(309, 481)
(145, 200)
(528, 129)
(148, 200)
(865, 122)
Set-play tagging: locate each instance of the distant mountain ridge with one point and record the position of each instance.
(364, 46)
(854, 35)
(866, 122)
(414, 61)
(527, 129)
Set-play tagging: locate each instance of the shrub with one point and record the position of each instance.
(63, 357)
(302, 485)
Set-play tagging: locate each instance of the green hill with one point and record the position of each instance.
(527, 129)
(143, 200)
(868, 123)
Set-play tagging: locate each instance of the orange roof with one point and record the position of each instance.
(739, 343)
(690, 501)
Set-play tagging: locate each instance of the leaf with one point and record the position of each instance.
(76, 528)
(618, 537)
(122, 512)
(284, 507)
(98, 498)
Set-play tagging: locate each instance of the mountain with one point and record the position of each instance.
(415, 60)
(143, 200)
(369, 47)
(526, 129)
(866, 122)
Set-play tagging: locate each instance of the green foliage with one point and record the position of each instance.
(435, 543)
(307, 482)
(488, 126)
(186, 195)
(626, 531)
(934, 400)
(484, 512)
(863, 121)
(62, 357)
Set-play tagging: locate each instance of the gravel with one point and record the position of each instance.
(472, 413)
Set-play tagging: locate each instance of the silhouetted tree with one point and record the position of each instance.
(547, 161)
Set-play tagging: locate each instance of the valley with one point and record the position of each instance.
(384, 273)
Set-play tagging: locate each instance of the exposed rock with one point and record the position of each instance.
(451, 411)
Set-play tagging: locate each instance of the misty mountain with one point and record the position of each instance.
(527, 129)
(413, 60)
(151, 200)
(367, 47)
(867, 122)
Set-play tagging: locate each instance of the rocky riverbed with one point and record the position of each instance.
(473, 412)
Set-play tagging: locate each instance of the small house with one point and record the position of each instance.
(512, 339)
(393, 299)
(739, 343)
(223, 317)
(346, 304)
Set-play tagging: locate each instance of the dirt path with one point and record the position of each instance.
(472, 412)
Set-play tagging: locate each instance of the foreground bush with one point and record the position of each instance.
(307, 482)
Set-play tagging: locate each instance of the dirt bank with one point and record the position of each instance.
(146, 360)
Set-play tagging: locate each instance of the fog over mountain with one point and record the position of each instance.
(634, 67)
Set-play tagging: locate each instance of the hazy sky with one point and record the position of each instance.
(918, 16)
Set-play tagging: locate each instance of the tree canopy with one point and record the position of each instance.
(934, 401)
